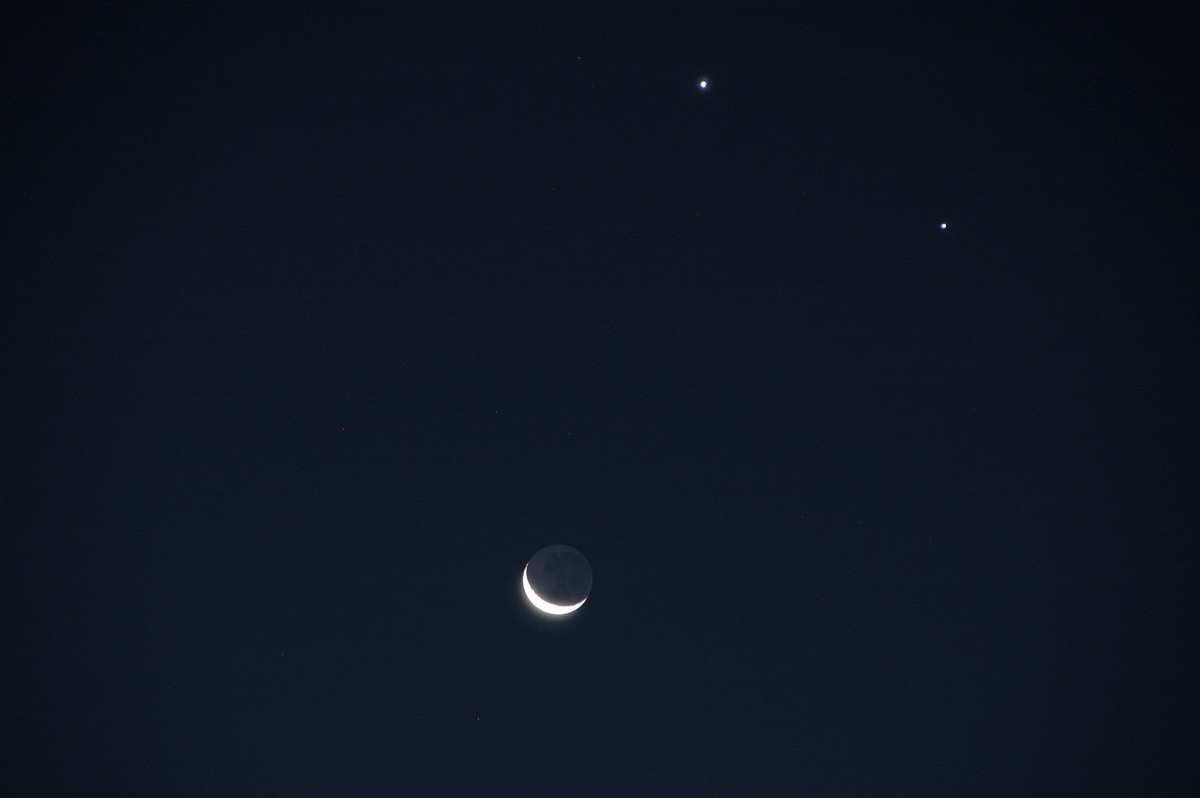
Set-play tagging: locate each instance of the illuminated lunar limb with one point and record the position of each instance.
(541, 603)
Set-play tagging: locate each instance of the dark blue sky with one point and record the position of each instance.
(322, 320)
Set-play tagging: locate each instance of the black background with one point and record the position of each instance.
(320, 320)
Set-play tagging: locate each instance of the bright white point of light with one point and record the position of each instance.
(942, 225)
(703, 84)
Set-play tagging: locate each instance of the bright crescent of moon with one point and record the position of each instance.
(541, 603)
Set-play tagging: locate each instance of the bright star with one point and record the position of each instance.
(942, 225)
(703, 84)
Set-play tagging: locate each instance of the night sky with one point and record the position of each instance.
(319, 320)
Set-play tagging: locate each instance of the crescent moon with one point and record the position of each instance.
(541, 603)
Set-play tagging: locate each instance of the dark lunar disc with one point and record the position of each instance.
(560, 575)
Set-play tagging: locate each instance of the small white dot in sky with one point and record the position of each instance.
(703, 84)
(942, 225)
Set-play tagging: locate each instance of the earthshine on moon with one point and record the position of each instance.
(557, 580)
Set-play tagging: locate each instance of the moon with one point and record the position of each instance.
(557, 580)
